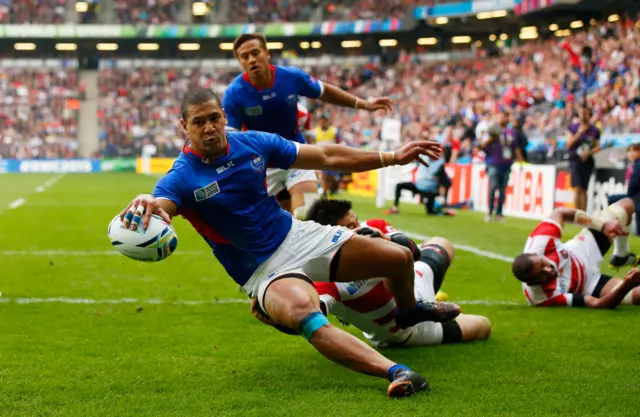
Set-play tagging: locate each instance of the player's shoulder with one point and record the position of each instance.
(288, 72)
(547, 228)
(236, 83)
(249, 139)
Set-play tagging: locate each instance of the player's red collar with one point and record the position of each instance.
(245, 76)
(189, 150)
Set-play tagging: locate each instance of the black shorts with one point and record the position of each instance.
(581, 173)
(438, 260)
(283, 195)
(601, 283)
(604, 244)
(451, 332)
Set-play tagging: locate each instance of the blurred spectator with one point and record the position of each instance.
(265, 11)
(153, 12)
(38, 113)
(33, 11)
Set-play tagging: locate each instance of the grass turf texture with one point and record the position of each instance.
(215, 359)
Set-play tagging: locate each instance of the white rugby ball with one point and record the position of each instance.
(152, 245)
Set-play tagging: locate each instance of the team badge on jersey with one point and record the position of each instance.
(257, 163)
(207, 192)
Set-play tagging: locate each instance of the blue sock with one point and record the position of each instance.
(394, 368)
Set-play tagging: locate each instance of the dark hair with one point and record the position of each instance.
(328, 212)
(196, 96)
(634, 147)
(246, 37)
(522, 267)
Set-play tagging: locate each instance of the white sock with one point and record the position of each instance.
(621, 246)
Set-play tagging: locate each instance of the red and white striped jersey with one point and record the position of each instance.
(545, 241)
(368, 305)
(304, 119)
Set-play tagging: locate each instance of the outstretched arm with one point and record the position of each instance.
(346, 159)
(335, 95)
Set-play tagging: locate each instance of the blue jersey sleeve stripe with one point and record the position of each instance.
(321, 84)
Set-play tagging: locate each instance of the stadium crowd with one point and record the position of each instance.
(541, 84)
(153, 12)
(38, 113)
(29, 11)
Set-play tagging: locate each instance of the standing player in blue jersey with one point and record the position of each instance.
(264, 98)
(218, 185)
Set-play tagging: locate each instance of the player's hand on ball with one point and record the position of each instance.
(413, 151)
(140, 209)
(613, 228)
(380, 103)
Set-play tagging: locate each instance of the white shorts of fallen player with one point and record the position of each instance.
(422, 334)
(307, 251)
(585, 248)
(284, 179)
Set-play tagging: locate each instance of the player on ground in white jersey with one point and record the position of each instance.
(554, 273)
(369, 306)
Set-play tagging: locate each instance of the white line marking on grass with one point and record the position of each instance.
(466, 248)
(67, 300)
(83, 253)
(17, 203)
(48, 183)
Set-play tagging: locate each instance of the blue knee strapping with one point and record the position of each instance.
(311, 323)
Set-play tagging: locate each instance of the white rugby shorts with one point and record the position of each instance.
(426, 333)
(585, 248)
(307, 250)
(284, 179)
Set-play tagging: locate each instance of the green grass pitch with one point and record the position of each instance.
(155, 355)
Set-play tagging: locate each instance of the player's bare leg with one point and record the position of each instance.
(632, 297)
(285, 204)
(294, 303)
(303, 195)
(473, 327)
(622, 211)
(364, 258)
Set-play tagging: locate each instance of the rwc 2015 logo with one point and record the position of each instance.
(257, 163)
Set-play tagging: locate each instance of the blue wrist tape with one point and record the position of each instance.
(311, 323)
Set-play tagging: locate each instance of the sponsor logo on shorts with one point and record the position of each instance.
(353, 287)
(257, 163)
(337, 236)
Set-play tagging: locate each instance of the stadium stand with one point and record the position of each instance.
(147, 11)
(28, 11)
(264, 11)
(541, 83)
(38, 113)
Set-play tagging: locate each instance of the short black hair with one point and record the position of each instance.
(522, 267)
(246, 37)
(328, 212)
(634, 147)
(196, 96)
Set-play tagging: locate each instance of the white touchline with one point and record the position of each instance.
(17, 203)
(48, 183)
(466, 248)
(68, 300)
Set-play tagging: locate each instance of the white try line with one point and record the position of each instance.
(48, 183)
(54, 252)
(466, 248)
(67, 300)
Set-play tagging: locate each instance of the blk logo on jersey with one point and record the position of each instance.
(337, 236)
(224, 167)
(257, 163)
(207, 192)
(269, 96)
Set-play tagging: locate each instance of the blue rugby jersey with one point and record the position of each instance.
(274, 109)
(227, 202)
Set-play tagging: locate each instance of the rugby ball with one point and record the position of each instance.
(154, 244)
